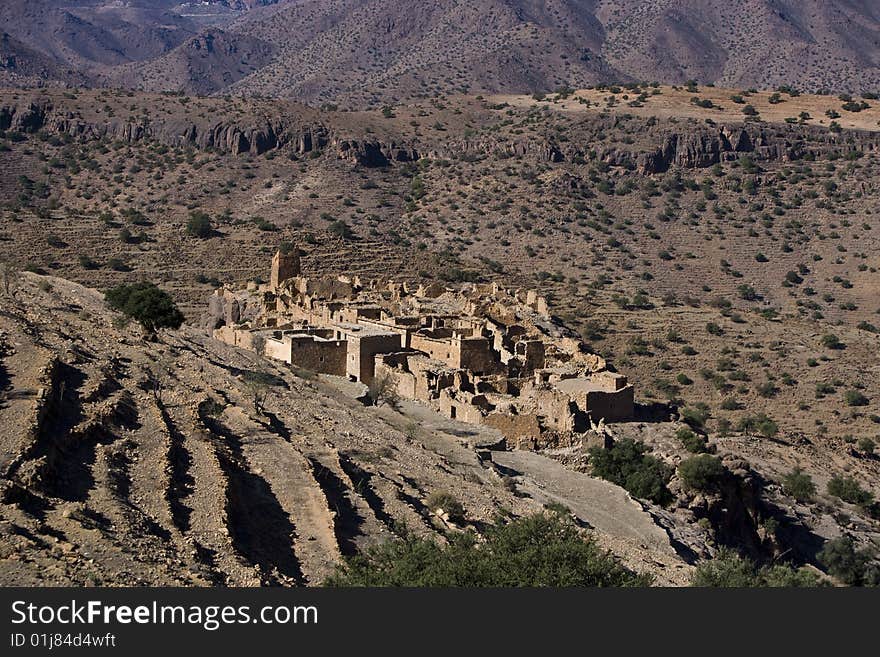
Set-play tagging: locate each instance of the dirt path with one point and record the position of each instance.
(602, 505)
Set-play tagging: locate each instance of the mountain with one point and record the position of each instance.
(379, 51)
(24, 66)
(203, 64)
(810, 44)
(83, 40)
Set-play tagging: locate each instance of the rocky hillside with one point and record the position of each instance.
(183, 462)
(186, 462)
(359, 52)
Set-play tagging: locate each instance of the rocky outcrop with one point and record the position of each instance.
(374, 153)
(28, 117)
(705, 147)
(255, 136)
(543, 150)
(661, 145)
(226, 309)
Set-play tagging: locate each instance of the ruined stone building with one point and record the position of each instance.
(477, 353)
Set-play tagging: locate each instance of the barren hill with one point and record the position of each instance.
(356, 52)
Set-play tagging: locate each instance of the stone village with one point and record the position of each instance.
(478, 353)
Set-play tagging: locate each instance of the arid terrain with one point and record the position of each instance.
(359, 53)
(718, 246)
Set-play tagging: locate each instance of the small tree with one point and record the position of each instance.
(383, 388)
(855, 398)
(199, 225)
(867, 446)
(546, 550)
(146, 303)
(258, 342)
(340, 229)
(701, 472)
(831, 341)
(729, 570)
(799, 485)
(852, 567)
(628, 464)
(849, 490)
(10, 274)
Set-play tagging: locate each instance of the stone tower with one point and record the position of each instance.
(285, 265)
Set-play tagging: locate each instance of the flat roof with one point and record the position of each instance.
(580, 384)
(360, 329)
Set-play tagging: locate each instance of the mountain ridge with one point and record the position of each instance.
(373, 52)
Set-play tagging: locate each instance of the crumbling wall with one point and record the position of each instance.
(476, 355)
(277, 349)
(324, 356)
(362, 349)
(404, 381)
(236, 337)
(444, 350)
(515, 427)
(614, 406)
(284, 267)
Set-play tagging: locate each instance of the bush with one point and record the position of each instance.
(117, 264)
(88, 263)
(867, 446)
(628, 465)
(701, 472)
(760, 423)
(729, 570)
(849, 490)
(695, 416)
(799, 485)
(692, 442)
(199, 225)
(340, 229)
(447, 503)
(539, 550)
(855, 398)
(852, 567)
(831, 341)
(146, 303)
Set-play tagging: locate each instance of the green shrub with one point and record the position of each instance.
(117, 264)
(701, 472)
(627, 464)
(696, 416)
(867, 446)
(855, 398)
(852, 567)
(448, 504)
(199, 225)
(340, 229)
(540, 550)
(799, 485)
(831, 341)
(760, 423)
(146, 303)
(88, 263)
(849, 490)
(729, 570)
(692, 442)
